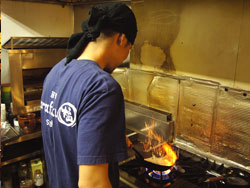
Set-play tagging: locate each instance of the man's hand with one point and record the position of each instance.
(129, 143)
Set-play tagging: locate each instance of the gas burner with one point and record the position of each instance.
(187, 172)
(162, 179)
(159, 175)
(236, 181)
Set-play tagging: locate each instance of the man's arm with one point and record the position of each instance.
(94, 176)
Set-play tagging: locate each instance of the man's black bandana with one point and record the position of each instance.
(116, 17)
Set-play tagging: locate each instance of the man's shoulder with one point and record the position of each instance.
(99, 77)
(107, 80)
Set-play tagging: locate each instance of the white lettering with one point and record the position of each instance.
(55, 112)
(66, 114)
(49, 123)
(53, 95)
(46, 108)
(51, 109)
(42, 103)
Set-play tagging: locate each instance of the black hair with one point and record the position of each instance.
(117, 17)
(108, 32)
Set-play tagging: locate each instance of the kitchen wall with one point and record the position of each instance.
(80, 13)
(191, 58)
(202, 39)
(33, 20)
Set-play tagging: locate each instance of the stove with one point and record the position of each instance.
(190, 171)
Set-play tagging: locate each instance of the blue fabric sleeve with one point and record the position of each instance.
(101, 131)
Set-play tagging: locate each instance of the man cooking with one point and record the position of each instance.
(82, 106)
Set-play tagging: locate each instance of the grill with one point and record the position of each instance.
(30, 60)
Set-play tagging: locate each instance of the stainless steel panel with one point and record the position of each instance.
(121, 76)
(139, 82)
(35, 58)
(42, 58)
(137, 115)
(163, 94)
(196, 109)
(231, 139)
(16, 83)
(28, 69)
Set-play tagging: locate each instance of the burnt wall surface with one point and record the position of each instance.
(206, 39)
(209, 118)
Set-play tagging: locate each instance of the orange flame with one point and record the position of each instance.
(164, 151)
(170, 156)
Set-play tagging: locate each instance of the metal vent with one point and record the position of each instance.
(35, 42)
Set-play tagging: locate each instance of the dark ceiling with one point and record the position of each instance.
(71, 2)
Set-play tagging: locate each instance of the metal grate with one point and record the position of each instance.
(35, 42)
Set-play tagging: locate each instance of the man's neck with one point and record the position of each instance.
(98, 51)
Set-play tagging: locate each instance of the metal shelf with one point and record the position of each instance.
(9, 147)
(20, 158)
(23, 137)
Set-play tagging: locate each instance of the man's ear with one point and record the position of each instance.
(121, 39)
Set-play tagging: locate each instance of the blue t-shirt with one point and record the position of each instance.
(82, 113)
